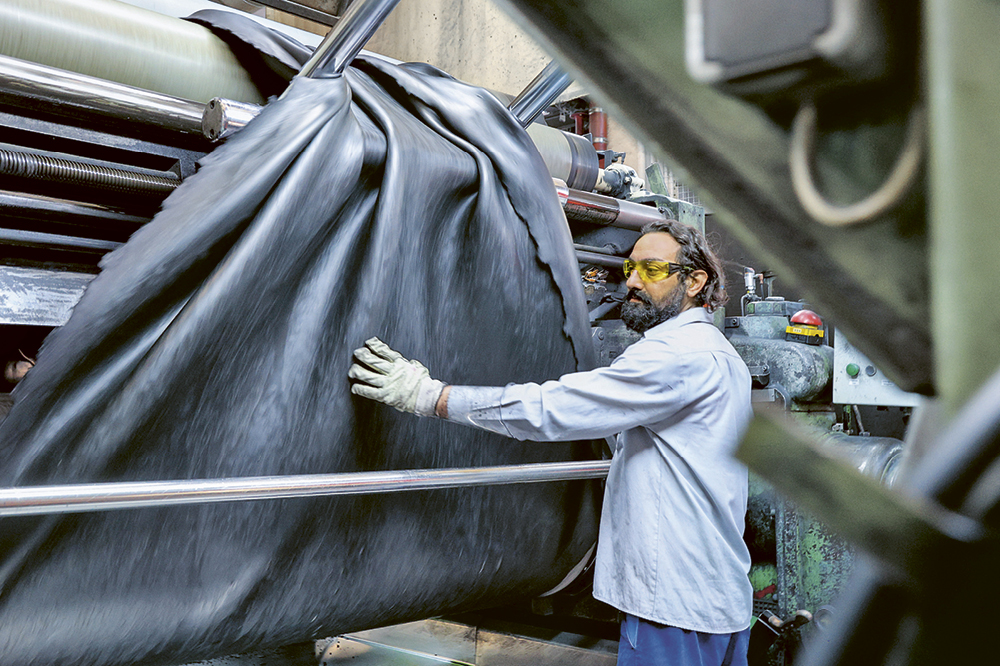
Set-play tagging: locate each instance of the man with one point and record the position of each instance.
(670, 553)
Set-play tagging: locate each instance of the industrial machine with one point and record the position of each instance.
(113, 144)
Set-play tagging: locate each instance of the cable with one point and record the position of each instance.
(904, 172)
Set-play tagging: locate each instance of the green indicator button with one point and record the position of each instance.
(853, 369)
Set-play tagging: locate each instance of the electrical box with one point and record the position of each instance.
(766, 47)
(856, 380)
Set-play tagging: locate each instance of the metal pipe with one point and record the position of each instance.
(599, 129)
(599, 209)
(73, 94)
(543, 90)
(42, 500)
(596, 259)
(344, 41)
(39, 239)
(611, 251)
(45, 167)
(49, 209)
(300, 10)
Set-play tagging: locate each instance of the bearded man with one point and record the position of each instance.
(670, 554)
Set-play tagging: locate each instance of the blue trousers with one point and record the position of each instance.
(646, 643)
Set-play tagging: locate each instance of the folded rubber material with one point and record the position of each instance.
(270, 58)
(216, 343)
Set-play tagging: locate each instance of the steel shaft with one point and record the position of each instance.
(133, 495)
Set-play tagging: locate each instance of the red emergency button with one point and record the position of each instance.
(806, 318)
(805, 326)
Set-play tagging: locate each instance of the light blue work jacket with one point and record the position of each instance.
(671, 544)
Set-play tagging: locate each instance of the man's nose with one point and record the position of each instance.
(634, 281)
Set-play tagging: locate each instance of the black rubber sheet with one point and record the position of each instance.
(216, 344)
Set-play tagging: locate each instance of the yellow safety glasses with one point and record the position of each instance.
(654, 271)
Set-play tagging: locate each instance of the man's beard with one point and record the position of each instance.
(640, 317)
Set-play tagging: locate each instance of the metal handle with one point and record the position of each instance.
(41, 500)
(344, 41)
(540, 93)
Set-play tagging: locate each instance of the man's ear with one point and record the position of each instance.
(696, 282)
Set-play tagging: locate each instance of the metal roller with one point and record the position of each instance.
(569, 157)
(118, 42)
(599, 209)
(130, 45)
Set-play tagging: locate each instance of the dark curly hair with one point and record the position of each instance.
(696, 252)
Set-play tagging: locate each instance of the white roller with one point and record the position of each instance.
(119, 42)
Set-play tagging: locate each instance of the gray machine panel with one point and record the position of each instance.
(870, 386)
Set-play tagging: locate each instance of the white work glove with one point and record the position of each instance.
(382, 374)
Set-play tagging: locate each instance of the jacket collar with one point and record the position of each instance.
(690, 316)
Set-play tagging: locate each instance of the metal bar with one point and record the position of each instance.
(599, 209)
(300, 10)
(59, 169)
(598, 250)
(76, 94)
(38, 239)
(42, 500)
(344, 41)
(67, 137)
(597, 259)
(36, 207)
(543, 90)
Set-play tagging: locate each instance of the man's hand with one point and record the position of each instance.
(382, 374)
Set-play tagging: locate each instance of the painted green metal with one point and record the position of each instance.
(683, 211)
(964, 98)
(901, 531)
(813, 565)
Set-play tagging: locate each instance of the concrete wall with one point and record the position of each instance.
(472, 40)
(475, 41)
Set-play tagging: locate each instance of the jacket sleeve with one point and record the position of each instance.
(644, 387)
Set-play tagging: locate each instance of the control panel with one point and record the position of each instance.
(857, 381)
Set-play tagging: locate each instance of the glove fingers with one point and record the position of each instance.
(383, 350)
(372, 360)
(365, 391)
(363, 374)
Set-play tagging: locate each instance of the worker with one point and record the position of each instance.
(670, 552)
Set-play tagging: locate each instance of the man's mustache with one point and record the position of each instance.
(635, 293)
